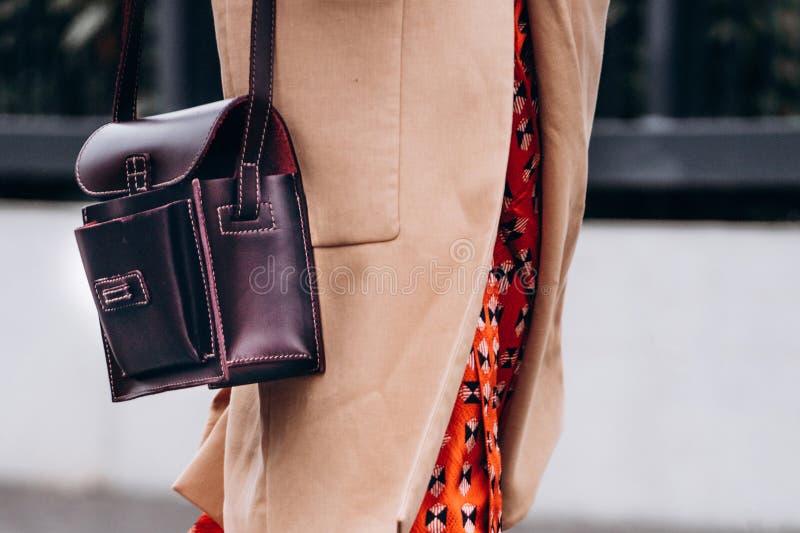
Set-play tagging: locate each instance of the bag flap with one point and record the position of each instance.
(173, 143)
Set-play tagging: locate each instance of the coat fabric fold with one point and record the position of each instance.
(400, 112)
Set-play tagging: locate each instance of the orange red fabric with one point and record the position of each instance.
(205, 525)
(464, 493)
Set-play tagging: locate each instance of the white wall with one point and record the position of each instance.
(57, 423)
(682, 366)
(681, 369)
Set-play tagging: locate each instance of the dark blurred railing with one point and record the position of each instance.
(715, 58)
(666, 63)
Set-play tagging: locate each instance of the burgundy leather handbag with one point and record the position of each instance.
(199, 258)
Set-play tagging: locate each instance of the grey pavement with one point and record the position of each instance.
(680, 368)
(37, 511)
(26, 510)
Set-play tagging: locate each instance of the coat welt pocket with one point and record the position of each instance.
(338, 87)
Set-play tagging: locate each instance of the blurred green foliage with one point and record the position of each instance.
(728, 58)
(622, 84)
(58, 56)
(747, 54)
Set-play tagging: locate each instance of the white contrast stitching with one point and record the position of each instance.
(136, 186)
(229, 207)
(119, 277)
(240, 197)
(268, 357)
(203, 149)
(269, 90)
(311, 296)
(126, 294)
(308, 268)
(267, 112)
(202, 274)
(78, 165)
(136, 167)
(254, 46)
(114, 395)
(201, 216)
(172, 384)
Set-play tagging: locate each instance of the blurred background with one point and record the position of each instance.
(681, 345)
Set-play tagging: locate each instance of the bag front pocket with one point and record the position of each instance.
(147, 278)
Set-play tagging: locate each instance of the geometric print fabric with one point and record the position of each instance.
(464, 493)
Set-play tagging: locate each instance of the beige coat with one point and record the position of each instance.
(401, 111)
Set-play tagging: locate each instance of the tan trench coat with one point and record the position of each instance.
(400, 111)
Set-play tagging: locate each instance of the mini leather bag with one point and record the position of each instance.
(199, 259)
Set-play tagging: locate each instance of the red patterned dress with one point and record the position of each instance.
(464, 491)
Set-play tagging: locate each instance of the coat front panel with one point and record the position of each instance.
(401, 114)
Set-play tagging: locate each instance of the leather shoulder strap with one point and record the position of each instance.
(125, 87)
(262, 45)
(262, 58)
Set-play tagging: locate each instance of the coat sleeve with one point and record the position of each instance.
(568, 40)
